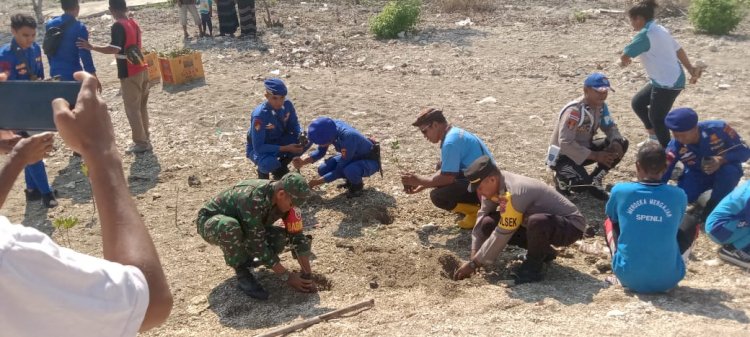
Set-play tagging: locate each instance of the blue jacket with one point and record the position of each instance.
(68, 58)
(729, 222)
(715, 137)
(9, 62)
(268, 129)
(350, 143)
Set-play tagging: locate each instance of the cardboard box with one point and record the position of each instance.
(181, 69)
(154, 75)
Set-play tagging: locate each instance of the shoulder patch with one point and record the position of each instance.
(573, 119)
(257, 124)
(343, 153)
(729, 131)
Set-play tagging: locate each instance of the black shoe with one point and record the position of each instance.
(529, 271)
(262, 175)
(32, 195)
(355, 190)
(249, 285)
(734, 256)
(598, 193)
(49, 200)
(280, 172)
(346, 185)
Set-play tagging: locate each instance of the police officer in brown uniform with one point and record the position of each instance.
(520, 211)
(577, 124)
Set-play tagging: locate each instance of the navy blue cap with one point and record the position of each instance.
(322, 130)
(598, 82)
(681, 119)
(275, 86)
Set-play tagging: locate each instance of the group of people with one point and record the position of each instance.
(227, 12)
(650, 225)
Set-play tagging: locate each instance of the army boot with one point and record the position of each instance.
(249, 285)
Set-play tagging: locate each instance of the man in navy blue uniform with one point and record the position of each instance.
(68, 57)
(712, 153)
(729, 225)
(21, 60)
(273, 137)
(357, 157)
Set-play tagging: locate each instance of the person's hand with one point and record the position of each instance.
(3, 77)
(711, 164)
(98, 84)
(32, 149)
(84, 44)
(292, 148)
(410, 179)
(300, 284)
(87, 129)
(297, 162)
(316, 182)
(7, 143)
(408, 189)
(605, 158)
(464, 271)
(625, 60)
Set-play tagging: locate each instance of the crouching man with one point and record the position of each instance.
(520, 211)
(240, 221)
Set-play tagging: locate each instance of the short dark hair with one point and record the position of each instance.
(651, 157)
(68, 5)
(119, 5)
(17, 21)
(643, 8)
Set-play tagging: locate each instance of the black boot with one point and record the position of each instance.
(49, 200)
(249, 285)
(262, 175)
(345, 185)
(280, 172)
(355, 190)
(32, 195)
(531, 270)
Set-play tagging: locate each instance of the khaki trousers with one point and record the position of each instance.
(135, 96)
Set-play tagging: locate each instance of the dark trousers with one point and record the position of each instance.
(206, 23)
(247, 16)
(652, 104)
(576, 175)
(539, 233)
(447, 197)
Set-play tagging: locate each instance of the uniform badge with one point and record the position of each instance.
(270, 126)
(343, 153)
(573, 118)
(257, 124)
(730, 132)
(683, 150)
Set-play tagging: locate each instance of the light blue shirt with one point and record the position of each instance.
(459, 149)
(648, 256)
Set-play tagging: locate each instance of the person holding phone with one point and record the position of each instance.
(21, 60)
(120, 294)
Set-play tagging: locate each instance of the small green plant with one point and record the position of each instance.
(580, 17)
(397, 16)
(716, 17)
(64, 225)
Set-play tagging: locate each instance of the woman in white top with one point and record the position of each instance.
(663, 59)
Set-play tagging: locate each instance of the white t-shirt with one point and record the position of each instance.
(658, 52)
(48, 290)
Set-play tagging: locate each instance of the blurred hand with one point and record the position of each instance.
(297, 162)
(625, 60)
(87, 129)
(84, 44)
(413, 189)
(8, 142)
(300, 284)
(605, 158)
(410, 179)
(711, 164)
(32, 149)
(292, 148)
(463, 272)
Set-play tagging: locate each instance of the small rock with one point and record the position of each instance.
(488, 99)
(712, 262)
(603, 266)
(361, 59)
(429, 227)
(724, 86)
(155, 196)
(615, 313)
(374, 284)
(435, 72)
(713, 48)
(389, 67)
(401, 35)
(194, 181)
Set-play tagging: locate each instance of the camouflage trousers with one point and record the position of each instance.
(240, 246)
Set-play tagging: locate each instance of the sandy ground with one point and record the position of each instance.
(528, 55)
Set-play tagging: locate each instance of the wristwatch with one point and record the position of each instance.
(473, 265)
(285, 276)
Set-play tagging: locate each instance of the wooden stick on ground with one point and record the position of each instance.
(320, 318)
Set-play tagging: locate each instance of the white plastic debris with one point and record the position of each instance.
(464, 23)
(487, 100)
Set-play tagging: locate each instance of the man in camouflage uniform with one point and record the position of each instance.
(240, 221)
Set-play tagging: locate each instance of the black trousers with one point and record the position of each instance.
(576, 175)
(447, 197)
(539, 233)
(652, 104)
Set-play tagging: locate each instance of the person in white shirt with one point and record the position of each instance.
(49, 290)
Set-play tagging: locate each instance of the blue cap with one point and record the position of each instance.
(681, 119)
(322, 130)
(598, 82)
(275, 86)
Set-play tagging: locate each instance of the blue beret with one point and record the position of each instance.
(681, 119)
(322, 130)
(275, 86)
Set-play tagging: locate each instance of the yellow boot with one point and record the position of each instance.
(470, 215)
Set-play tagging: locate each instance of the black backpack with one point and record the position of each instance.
(54, 36)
